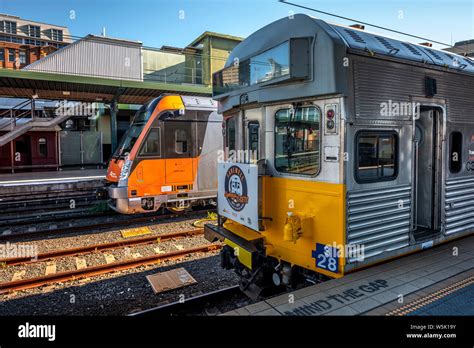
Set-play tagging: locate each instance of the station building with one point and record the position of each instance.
(108, 78)
(23, 41)
(465, 47)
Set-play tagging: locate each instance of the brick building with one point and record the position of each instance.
(23, 41)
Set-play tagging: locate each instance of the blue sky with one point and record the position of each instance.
(158, 22)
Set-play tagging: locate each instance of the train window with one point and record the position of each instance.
(455, 161)
(151, 146)
(42, 147)
(181, 141)
(230, 134)
(253, 128)
(376, 156)
(297, 140)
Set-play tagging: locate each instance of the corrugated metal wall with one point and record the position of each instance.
(397, 82)
(96, 57)
(379, 219)
(459, 205)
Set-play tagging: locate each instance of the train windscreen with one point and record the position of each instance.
(132, 134)
(269, 65)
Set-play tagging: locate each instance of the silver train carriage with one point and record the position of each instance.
(362, 145)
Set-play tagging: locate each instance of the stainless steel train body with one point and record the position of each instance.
(385, 160)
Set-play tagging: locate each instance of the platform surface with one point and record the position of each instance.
(51, 177)
(436, 281)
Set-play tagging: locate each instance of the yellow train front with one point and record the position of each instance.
(168, 157)
(319, 179)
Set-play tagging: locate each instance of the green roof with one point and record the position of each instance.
(131, 91)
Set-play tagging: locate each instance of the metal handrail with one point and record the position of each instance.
(16, 107)
(13, 120)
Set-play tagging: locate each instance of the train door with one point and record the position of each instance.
(252, 126)
(179, 152)
(427, 173)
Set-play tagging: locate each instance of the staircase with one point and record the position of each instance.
(18, 121)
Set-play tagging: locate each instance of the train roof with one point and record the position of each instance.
(359, 41)
(380, 44)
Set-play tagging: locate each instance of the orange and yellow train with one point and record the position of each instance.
(168, 156)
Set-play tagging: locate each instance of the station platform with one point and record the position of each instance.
(38, 182)
(40, 178)
(438, 281)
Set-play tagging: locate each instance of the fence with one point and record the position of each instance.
(80, 148)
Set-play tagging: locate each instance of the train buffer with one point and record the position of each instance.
(438, 281)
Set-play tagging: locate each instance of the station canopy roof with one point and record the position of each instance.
(25, 84)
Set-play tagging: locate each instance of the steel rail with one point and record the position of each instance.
(194, 302)
(36, 282)
(13, 261)
(130, 220)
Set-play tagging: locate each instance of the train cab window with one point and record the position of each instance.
(297, 140)
(230, 134)
(376, 156)
(455, 161)
(42, 147)
(181, 141)
(151, 146)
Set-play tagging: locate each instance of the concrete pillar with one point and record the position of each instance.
(113, 124)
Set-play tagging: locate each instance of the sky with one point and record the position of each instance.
(178, 22)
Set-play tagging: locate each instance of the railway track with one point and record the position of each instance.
(192, 304)
(78, 226)
(19, 208)
(23, 284)
(15, 261)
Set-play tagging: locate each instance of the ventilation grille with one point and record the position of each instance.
(449, 56)
(385, 43)
(379, 219)
(459, 205)
(411, 49)
(468, 61)
(434, 54)
(355, 36)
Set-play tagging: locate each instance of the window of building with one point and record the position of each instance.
(181, 141)
(376, 156)
(56, 35)
(42, 147)
(22, 56)
(230, 134)
(151, 146)
(297, 140)
(455, 158)
(9, 27)
(11, 55)
(34, 31)
(2, 54)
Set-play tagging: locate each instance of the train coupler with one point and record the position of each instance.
(247, 248)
